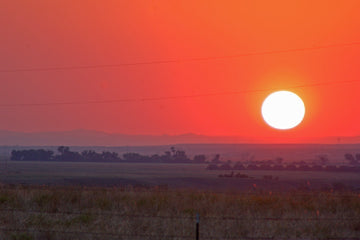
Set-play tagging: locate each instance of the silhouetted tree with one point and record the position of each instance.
(199, 158)
(67, 155)
(351, 159)
(64, 154)
(90, 156)
(110, 156)
(180, 157)
(173, 150)
(168, 154)
(63, 149)
(225, 166)
(279, 160)
(323, 159)
(238, 166)
(133, 157)
(216, 159)
(212, 167)
(16, 155)
(32, 155)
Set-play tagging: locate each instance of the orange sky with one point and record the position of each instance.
(42, 33)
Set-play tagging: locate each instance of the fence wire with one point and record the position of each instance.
(114, 214)
(118, 235)
(185, 221)
(153, 236)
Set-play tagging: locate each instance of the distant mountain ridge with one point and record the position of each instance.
(97, 138)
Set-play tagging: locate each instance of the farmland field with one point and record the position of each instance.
(93, 200)
(194, 176)
(43, 212)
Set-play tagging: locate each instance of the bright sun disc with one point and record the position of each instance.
(283, 110)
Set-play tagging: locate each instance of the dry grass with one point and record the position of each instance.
(129, 213)
(174, 175)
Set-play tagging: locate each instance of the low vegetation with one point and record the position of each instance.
(233, 175)
(156, 213)
(270, 166)
(65, 155)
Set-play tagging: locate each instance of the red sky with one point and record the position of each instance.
(64, 33)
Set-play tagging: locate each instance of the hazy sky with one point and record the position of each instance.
(62, 33)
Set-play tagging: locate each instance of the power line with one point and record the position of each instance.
(197, 59)
(166, 98)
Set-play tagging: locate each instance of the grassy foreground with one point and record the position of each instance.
(129, 213)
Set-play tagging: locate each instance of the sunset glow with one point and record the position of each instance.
(179, 67)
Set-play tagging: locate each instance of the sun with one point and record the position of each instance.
(283, 110)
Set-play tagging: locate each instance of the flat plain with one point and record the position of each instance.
(94, 200)
(185, 176)
(53, 212)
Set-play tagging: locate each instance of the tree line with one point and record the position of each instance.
(353, 159)
(322, 164)
(288, 167)
(64, 154)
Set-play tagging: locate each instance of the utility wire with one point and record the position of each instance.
(165, 98)
(198, 59)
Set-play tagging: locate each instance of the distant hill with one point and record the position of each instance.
(97, 138)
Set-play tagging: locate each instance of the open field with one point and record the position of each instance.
(135, 213)
(74, 200)
(194, 176)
